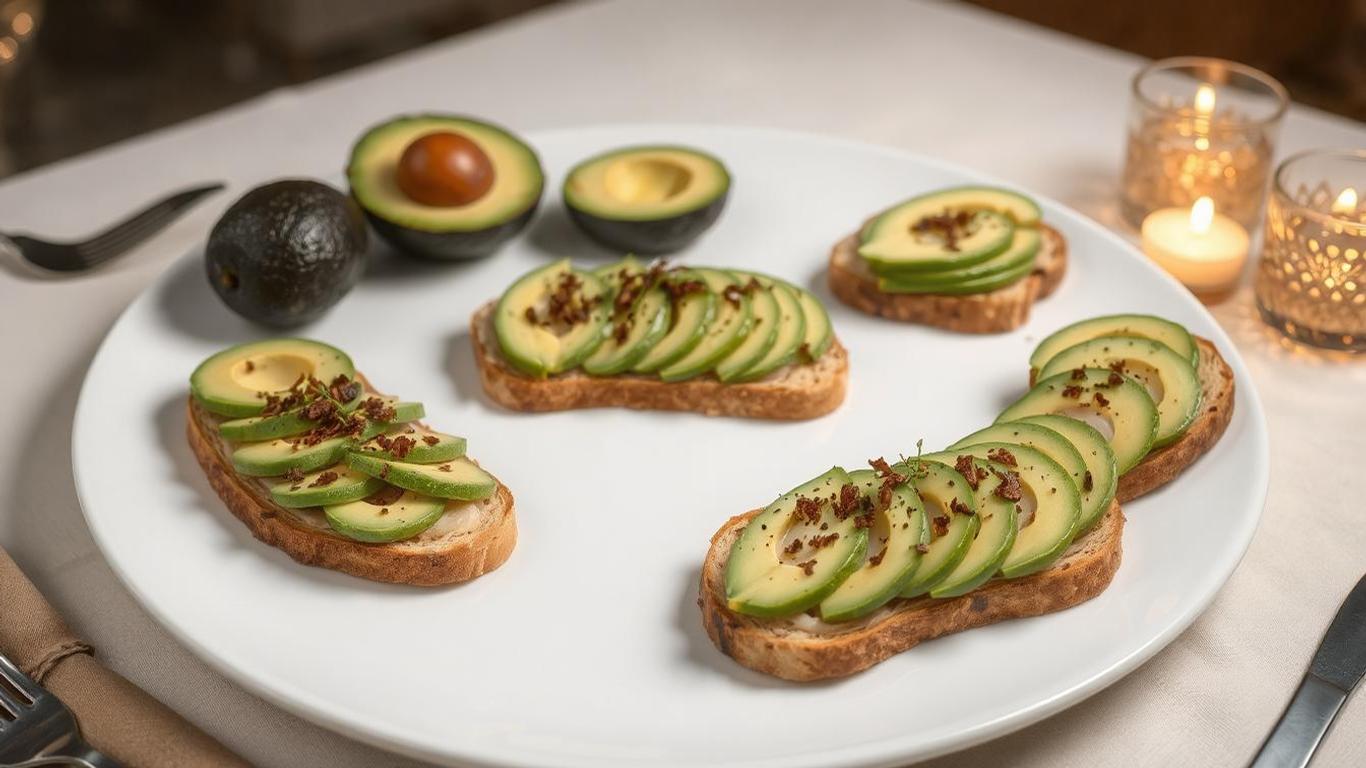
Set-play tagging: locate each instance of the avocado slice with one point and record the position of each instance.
(538, 332)
(998, 526)
(1170, 379)
(693, 313)
(445, 232)
(786, 347)
(385, 516)
(727, 330)
(417, 445)
(763, 332)
(272, 458)
(951, 518)
(762, 579)
(898, 533)
(1172, 334)
(819, 333)
(1100, 479)
(647, 199)
(1053, 445)
(893, 245)
(458, 479)
(287, 424)
(1117, 406)
(1048, 505)
(634, 328)
(236, 381)
(1009, 265)
(337, 484)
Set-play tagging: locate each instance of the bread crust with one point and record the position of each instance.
(448, 560)
(776, 647)
(998, 311)
(791, 393)
(1216, 411)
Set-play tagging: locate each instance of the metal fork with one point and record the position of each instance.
(118, 239)
(36, 728)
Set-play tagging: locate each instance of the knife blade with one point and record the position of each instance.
(1337, 668)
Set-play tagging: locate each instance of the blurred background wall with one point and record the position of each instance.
(78, 74)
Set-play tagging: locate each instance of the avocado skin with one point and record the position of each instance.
(450, 246)
(650, 237)
(287, 251)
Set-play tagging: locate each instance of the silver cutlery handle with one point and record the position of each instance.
(1302, 726)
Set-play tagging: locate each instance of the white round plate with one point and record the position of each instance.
(586, 648)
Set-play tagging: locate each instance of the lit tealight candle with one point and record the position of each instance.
(1203, 249)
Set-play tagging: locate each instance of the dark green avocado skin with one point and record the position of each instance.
(650, 238)
(450, 246)
(286, 252)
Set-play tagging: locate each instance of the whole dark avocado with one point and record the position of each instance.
(287, 251)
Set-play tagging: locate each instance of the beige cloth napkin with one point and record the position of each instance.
(116, 717)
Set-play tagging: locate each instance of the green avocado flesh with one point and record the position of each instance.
(951, 514)
(1145, 326)
(421, 446)
(892, 238)
(998, 526)
(819, 333)
(763, 333)
(379, 520)
(893, 244)
(372, 173)
(893, 554)
(1057, 447)
(1101, 478)
(547, 345)
(332, 485)
(787, 345)
(1000, 270)
(1170, 379)
(276, 457)
(287, 424)
(645, 321)
(1115, 405)
(234, 382)
(727, 330)
(692, 315)
(459, 479)
(1047, 529)
(762, 579)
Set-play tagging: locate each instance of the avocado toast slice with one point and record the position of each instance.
(465, 538)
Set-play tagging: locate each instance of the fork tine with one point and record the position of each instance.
(16, 677)
(142, 224)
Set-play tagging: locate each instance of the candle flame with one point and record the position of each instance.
(1204, 99)
(1202, 215)
(1346, 203)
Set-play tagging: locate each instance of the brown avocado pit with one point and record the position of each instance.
(444, 168)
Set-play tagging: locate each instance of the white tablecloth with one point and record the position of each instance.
(1039, 109)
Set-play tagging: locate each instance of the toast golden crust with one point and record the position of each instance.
(423, 561)
(791, 393)
(1216, 411)
(782, 649)
(998, 311)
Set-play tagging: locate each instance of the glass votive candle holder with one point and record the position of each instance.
(1200, 127)
(1311, 282)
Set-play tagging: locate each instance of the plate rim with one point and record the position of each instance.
(885, 752)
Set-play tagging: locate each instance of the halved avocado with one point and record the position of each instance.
(234, 382)
(647, 199)
(534, 336)
(445, 231)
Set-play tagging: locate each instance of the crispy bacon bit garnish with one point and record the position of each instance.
(939, 524)
(294, 475)
(431, 439)
(808, 510)
(343, 389)
(808, 567)
(970, 471)
(1078, 374)
(1087, 482)
(319, 410)
(249, 366)
(876, 560)
(1071, 391)
(890, 480)
(922, 548)
(324, 480)
(401, 446)
(1002, 456)
(823, 541)
(959, 508)
(383, 511)
(864, 519)
(793, 547)
(530, 315)
(847, 502)
(1115, 380)
(947, 225)
(1100, 399)
(1009, 487)
(376, 409)
(1117, 366)
(733, 294)
(677, 289)
(444, 468)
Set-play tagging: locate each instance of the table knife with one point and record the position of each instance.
(1338, 666)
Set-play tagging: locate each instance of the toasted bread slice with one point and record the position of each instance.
(802, 391)
(1216, 410)
(998, 311)
(805, 649)
(470, 540)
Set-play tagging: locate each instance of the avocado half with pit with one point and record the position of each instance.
(445, 186)
(648, 199)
